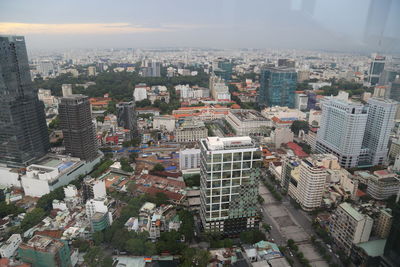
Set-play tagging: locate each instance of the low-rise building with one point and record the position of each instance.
(9, 248)
(164, 123)
(383, 184)
(247, 122)
(190, 131)
(45, 251)
(53, 171)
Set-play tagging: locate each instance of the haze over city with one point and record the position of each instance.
(315, 24)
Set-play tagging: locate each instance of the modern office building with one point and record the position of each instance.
(376, 69)
(126, 117)
(229, 170)
(23, 129)
(224, 69)
(349, 227)
(77, 127)
(277, 87)
(342, 130)
(45, 251)
(380, 122)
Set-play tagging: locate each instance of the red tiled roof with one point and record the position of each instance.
(152, 191)
(360, 193)
(297, 149)
(50, 233)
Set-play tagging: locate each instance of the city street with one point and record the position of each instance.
(285, 225)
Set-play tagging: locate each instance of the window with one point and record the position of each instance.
(217, 157)
(227, 157)
(237, 156)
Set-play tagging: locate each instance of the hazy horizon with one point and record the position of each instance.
(356, 26)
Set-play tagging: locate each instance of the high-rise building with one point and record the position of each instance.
(349, 226)
(376, 69)
(42, 250)
(229, 170)
(380, 122)
(23, 130)
(224, 69)
(126, 117)
(307, 185)
(77, 127)
(342, 130)
(394, 90)
(277, 87)
(285, 62)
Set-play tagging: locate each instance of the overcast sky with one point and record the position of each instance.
(305, 24)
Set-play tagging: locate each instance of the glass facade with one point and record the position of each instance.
(277, 87)
(23, 129)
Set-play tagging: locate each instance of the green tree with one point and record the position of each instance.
(98, 238)
(7, 209)
(160, 198)
(299, 125)
(158, 168)
(95, 257)
(32, 218)
(195, 257)
(135, 246)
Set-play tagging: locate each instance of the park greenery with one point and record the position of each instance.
(299, 125)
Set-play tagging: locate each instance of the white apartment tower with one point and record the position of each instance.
(342, 130)
(380, 122)
(229, 169)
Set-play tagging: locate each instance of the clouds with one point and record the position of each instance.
(304, 24)
(90, 28)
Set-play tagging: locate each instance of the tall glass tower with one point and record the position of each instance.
(277, 87)
(229, 170)
(23, 130)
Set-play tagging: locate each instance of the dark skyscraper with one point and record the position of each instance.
(392, 248)
(77, 127)
(23, 130)
(126, 116)
(277, 87)
(376, 69)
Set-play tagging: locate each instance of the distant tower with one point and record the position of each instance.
(376, 69)
(126, 116)
(77, 126)
(342, 130)
(277, 87)
(23, 129)
(380, 122)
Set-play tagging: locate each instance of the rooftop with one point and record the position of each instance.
(373, 248)
(351, 211)
(221, 143)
